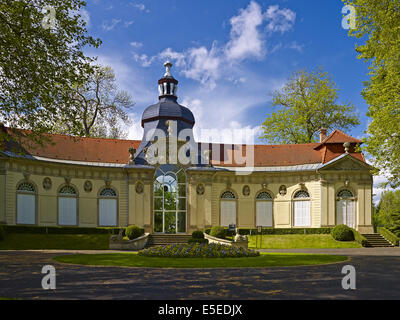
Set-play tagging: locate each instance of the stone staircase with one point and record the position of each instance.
(163, 239)
(376, 240)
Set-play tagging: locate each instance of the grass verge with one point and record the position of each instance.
(21, 241)
(265, 260)
(296, 241)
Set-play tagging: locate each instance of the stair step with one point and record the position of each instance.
(376, 240)
(163, 239)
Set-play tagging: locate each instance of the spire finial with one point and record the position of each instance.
(168, 65)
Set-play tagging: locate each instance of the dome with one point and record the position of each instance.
(167, 108)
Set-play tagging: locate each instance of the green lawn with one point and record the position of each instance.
(23, 241)
(298, 241)
(265, 260)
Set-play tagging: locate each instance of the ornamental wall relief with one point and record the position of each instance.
(139, 188)
(47, 183)
(88, 186)
(200, 189)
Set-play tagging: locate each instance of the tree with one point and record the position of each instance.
(98, 108)
(41, 59)
(308, 102)
(389, 210)
(378, 26)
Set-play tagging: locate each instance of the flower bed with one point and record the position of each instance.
(198, 250)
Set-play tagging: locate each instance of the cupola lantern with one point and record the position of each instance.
(167, 85)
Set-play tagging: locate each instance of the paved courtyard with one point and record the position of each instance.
(378, 277)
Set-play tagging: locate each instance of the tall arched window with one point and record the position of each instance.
(345, 208)
(301, 209)
(170, 199)
(264, 211)
(228, 209)
(26, 203)
(67, 206)
(108, 206)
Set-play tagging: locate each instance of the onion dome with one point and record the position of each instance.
(167, 107)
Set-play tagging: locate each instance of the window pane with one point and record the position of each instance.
(170, 222)
(182, 222)
(169, 201)
(182, 190)
(158, 204)
(158, 221)
(182, 204)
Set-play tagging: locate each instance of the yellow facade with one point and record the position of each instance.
(134, 188)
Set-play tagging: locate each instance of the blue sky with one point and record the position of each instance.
(228, 55)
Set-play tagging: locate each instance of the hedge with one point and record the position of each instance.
(272, 231)
(60, 230)
(388, 235)
(134, 232)
(358, 237)
(2, 233)
(342, 233)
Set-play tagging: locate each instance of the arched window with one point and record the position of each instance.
(170, 199)
(228, 209)
(264, 209)
(302, 209)
(345, 194)
(108, 216)
(67, 206)
(345, 208)
(26, 203)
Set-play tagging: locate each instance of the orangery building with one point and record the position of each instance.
(169, 183)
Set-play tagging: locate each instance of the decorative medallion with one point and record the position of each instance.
(88, 186)
(282, 190)
(200, 189)
(47, 183)
(139, 188)
(246, 191)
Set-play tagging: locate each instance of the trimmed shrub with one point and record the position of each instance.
(197, 250)
(198, 235)
(358, 237)
(391, 237)
(218, 232)
(134, 232)
(342, 233)
(273, 231)
(2, 233)
(60, 230)
(197, 240)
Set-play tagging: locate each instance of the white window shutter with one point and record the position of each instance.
(228, 213)
(351, 215)
(108, 212)
(264, 213)
(67, 211)
(302, 214)
(26, 208)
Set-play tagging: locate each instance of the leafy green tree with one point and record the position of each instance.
(308, 102)
(389, 210)
(378, 28)
(41, 59)
(99, 108)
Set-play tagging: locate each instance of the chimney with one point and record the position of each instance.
(322, 134)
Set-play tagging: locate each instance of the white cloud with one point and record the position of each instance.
(109, 26)
(136, 44)
(296, 46)
(280, 20)
(246, 40)
(85, 16)
(128, 23)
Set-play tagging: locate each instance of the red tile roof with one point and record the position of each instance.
(116, 151)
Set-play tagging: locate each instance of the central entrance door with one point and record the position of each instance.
(170, 200)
